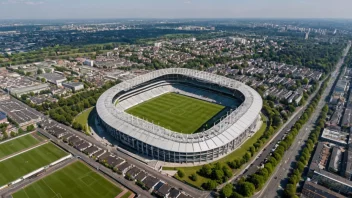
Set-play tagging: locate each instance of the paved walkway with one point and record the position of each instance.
(122, 193)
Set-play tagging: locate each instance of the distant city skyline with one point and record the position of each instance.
(81, 9)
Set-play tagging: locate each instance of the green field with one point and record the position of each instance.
(176, 112)
(16, 145)
(83, 117)
(24, 163)
(127, 195)
(73, 181)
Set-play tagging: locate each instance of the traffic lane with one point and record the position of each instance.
(284, 168)
(267, 150)
(288, 159)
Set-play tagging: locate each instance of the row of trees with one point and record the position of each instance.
(294, 178)
(214, 173)
(259, 178)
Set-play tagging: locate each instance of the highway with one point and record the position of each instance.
(278, 180)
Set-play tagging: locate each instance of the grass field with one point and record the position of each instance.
(73, 181)
(127, 195)
(83, 117)
(176, 112)
(237, 154)
(24, 163)
(17, 145)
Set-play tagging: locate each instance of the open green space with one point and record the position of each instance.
(237, 154)
(29, 161)
(16, 145)
(83, 117)
(127, 195)
(73, 181)
(176, 112)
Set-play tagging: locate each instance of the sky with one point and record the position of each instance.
(81, 9)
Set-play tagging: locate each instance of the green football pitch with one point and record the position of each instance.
(16, 145)
(29, 161)
(176, 112)
(73, 181)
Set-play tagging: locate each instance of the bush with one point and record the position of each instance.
(193, 177)
(246, 189)
(180, 173)
(226, 191)
(210, 185)
(30, 128)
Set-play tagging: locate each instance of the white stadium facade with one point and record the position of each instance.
(156, 142)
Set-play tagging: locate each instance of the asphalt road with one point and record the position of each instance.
(278, 180)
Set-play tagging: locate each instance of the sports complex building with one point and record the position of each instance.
(237, 112)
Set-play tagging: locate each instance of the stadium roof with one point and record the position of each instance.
(219, 135)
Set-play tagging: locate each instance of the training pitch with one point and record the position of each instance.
(16, 145)
(29, 161)
(176, 112)
(73, 181)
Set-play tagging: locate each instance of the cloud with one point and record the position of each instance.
(25, 2)
(188, 2)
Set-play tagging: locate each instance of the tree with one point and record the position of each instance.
(5, 135)
(205, 170)
(217, 174)
(264, 173)
(290, 190)
(180, 173)
(300, 166)
(210, 185)
(226, 191)
(13, 134)
(246, 189)
(30, 128)
(236, 195)
(20, 131)
(227, 171)
(257, 180)
(276, 121)
(193, 177)
(247, 157)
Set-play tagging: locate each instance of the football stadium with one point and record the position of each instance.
(180, 115)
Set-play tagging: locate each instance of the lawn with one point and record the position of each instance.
(16, 145)
(237, 154)
(83, 117)
(127, 195)
(176, 112)
(24, 163)
(73, 181)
